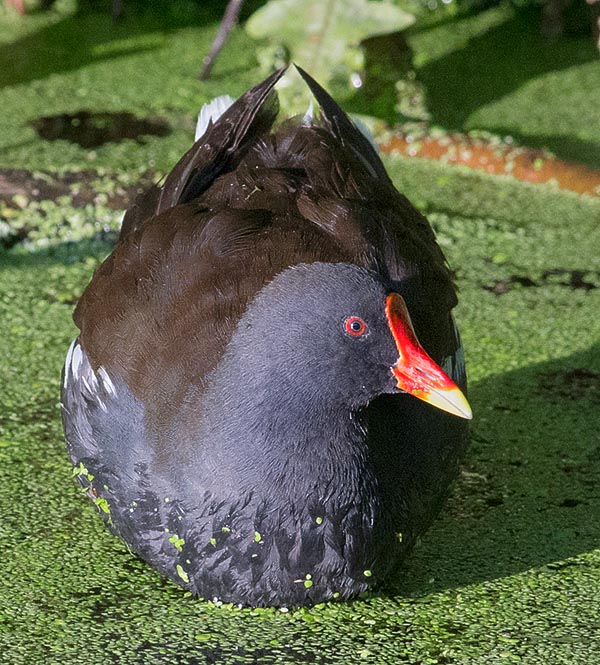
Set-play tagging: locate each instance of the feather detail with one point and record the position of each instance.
(210, 113)
(212, 153)
(345, 130)
(258, 201)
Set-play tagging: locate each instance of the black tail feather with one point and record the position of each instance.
(254, 111)
(340, 125)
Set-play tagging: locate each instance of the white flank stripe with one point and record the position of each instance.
(108, 384)
(76, 361)
(68, 362)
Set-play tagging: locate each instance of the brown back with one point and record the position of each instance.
(241, 206)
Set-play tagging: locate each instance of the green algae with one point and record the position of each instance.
(102, 504)
(182, 573)
(495, 70)
(45, 222)
(83, 61)
(483, 71)
(510, 572)
(178, 542)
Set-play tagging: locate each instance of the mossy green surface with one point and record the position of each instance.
(495, 70)
(146, 64)
(510, 572)
(491, 70)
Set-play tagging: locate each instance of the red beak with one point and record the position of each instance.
(416, 373)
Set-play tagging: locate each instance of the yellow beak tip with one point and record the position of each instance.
(452, 401)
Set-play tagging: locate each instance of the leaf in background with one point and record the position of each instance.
(323, 36)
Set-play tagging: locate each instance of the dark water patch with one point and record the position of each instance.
(575, 279)
(91, 130)
(572, 384)
(569, 503)
(215, 654)
(52, 296)
(504, 407)
(12, 239)
(494, 501)
(502, 286)
(572, 279)
(99, 608)
(89, 592)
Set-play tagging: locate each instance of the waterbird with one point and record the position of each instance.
(266, 398)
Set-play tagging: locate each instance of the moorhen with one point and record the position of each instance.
(256, 401)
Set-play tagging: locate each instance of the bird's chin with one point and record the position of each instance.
(393, 389)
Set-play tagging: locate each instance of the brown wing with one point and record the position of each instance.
(211, 154)
(162, 308)
(401, 236)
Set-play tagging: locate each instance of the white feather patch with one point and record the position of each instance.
(212, 112)
(106, 380)
(76, 358)
(68, 362)
(309, 115)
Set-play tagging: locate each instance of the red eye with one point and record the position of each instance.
(355, 326)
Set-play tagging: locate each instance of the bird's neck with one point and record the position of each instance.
(268, 428)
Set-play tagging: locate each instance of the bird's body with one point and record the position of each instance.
(229, 401)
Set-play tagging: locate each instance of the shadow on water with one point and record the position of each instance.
(528, 495)
(494, 64)
(90, 36)
(92, 129)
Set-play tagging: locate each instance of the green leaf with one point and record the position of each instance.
(177, 542)
(102, 503)
(181, 572)
(322, 36)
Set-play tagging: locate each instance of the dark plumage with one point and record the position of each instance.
(235, 396)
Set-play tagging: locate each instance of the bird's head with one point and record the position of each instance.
(337, 332)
